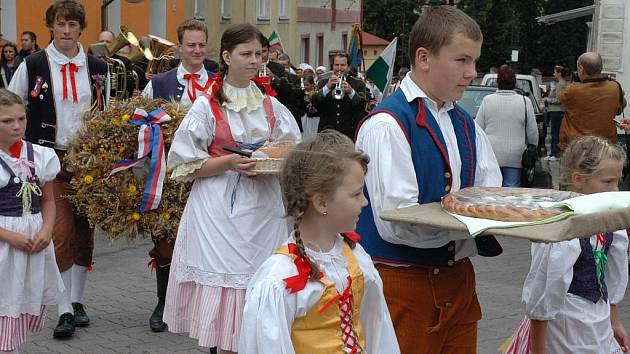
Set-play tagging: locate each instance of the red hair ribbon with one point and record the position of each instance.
(213, 85)
(352, 236)
(298, 282)
(263, 81)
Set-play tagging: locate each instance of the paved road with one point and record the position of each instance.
(121, 292)
(120, 296)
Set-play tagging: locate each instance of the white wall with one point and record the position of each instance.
(8, 20)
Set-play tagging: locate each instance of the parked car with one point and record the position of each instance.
(474, 94)
(526, 83)
(472, 97)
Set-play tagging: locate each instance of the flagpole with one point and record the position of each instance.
(361, 46)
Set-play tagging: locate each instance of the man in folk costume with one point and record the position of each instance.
(60, 83)
(184, 83)
(423, 145)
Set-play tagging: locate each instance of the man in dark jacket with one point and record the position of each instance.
(341, 114)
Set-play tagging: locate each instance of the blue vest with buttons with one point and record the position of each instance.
(433, 174)
(166, 85)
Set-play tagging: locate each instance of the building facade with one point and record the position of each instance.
(158, 17)
(324, 28)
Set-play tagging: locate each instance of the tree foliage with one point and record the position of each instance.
(506, 25)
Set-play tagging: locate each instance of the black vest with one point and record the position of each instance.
(584, 282)
(41, 125)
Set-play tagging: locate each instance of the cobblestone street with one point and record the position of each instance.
(120, 296)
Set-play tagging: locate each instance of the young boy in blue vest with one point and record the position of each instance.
(422, 145)
(60, 84)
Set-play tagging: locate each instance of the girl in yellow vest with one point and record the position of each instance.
(319, 292)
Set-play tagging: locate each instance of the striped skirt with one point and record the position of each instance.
(13, 331)
(519, 343)
(212, 315)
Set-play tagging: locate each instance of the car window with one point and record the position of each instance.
(471, 100)
(522, 84)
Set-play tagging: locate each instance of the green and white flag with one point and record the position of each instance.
(274, 40)
(382, 70)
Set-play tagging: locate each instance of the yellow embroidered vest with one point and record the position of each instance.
(320, 330)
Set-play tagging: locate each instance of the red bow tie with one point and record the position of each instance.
(73, 69)
(193, 86)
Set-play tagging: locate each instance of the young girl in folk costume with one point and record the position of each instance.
(573, 287)
(28, 272)
(232, 222)
(320, 293)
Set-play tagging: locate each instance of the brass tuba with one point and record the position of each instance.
(160, 54)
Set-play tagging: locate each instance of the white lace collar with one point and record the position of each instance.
(249, 97)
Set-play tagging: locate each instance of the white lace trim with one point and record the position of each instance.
(181, 172)
(185, 273)
(249, 97)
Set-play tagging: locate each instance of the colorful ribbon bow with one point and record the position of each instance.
(263, 81)
(298, 282)
(151, 146)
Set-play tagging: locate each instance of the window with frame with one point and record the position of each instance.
(226, 10)
(283, 11)
(263, 10)
(306, 49)
(320, 49)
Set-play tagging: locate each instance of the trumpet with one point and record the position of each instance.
(263, 70)
(338, 92)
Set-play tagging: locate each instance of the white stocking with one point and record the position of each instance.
(65, 305)
(79, 276)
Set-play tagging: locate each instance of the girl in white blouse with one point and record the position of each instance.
(28, 272)
(232, 221)
(573, 287)
(319, 292)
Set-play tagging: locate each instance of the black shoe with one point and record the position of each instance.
(81, 318)
(65, 327)
(155, 322)
(488, 246)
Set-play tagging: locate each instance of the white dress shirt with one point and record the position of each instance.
(391, 179)
(181, 71)
(68, 113)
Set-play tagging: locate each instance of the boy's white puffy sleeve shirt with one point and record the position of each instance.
(391, 179)
(270, 309)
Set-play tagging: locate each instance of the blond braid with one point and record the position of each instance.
(301, 249)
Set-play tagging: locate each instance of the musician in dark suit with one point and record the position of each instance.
(341, 114)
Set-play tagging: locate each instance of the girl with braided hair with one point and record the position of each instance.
(319, 292)
(232, 222)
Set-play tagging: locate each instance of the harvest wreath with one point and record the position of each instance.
(120, 181)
